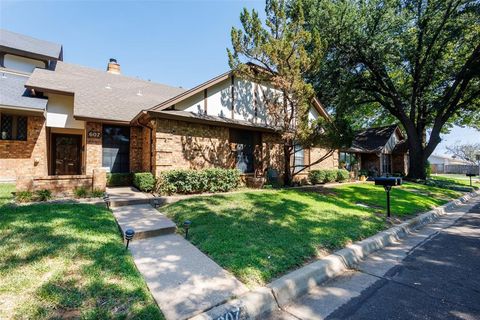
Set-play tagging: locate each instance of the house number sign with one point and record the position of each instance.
(233, 314)
(94, 134)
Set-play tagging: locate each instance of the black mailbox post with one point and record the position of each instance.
(387, 184)
(471, 175)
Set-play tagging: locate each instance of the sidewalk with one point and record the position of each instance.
(183, 281)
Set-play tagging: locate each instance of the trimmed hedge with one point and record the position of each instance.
(144, 181)
(343, 175)
(325, 176)
(198, 181)
(119, 179)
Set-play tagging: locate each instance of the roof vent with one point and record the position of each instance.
(113, 66)
(139, 93)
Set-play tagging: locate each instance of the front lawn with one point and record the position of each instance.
(261, 235)
(67, 261)
(458, 179)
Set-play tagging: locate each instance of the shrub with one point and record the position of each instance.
(428, 169)
(363, 172)
(97, 193)
(43, 195)
(80, 192)
(316, 176)
(343, 175)
(23, 196)
(144, 181)
(119, 179)
(330, 176)
(193, 181)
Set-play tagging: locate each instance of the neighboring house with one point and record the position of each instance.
(80, 120)
(446, 164)
(380, 151)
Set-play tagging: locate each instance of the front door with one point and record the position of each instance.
(66, 154)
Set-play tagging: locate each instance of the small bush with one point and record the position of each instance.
(97, 193)
(343, 175)
(119, 179)
(23, 196)
(80, 192)
(198, 181)
(330, 176)
(144, 181)
(428, 169)
(317, 176)
(43, 195)
(363, 172)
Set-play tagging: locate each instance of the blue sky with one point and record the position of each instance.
(180, 43)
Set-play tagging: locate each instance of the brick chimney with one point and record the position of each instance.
(113, 66)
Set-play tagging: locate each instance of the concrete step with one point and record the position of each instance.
(117, 202)
(144, 220)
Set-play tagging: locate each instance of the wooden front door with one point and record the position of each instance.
(66, 154)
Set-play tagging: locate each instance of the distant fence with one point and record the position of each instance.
(454, 168)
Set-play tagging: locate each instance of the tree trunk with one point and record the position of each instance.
(287, 174)
(417, 161)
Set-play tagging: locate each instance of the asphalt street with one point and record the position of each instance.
(431, 274)
(439, 280)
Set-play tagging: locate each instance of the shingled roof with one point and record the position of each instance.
(372, 140)
(99, 94)
(29, 45)
(13, 93)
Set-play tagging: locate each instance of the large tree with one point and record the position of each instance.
(416, 62)
(278, 54)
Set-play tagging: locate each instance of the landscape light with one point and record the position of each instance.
(106, 198)
(129, 233)
(186, 226)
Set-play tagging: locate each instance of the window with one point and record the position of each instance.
(116, 148)
(299, 156)
(386, 164)
(13, 127)
(245, 142)
(349, 159)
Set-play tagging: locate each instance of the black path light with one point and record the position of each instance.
(129, 234)
(106, 198)
(470, 175)
(387, 184)
(186, 226)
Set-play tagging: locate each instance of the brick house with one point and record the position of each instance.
(380, 151)
(62, 124)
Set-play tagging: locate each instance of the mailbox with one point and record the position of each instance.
(470, 175)
(390, 181)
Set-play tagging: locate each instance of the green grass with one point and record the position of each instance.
(261, 235)
(458, 179)
(67, 261)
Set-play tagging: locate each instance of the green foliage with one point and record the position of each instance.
(325, 176)
(144, 181)
(119, 179)
(97, 193)
(428, 169)
(23, 196)
(198, 181)
(363, 172)
(414, 62)
(81, 192)
(281, 51)
(451, 185)
(43, 195)
(343, 175)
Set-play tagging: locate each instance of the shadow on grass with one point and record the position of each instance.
(95, 276)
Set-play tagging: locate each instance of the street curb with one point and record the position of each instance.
(280, 292)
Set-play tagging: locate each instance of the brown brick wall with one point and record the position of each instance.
(93, 149)
(182, 145)
(25, 158)
(136, 149)
(399, 163)
(330, 162)
(58, 185)
(146, 149)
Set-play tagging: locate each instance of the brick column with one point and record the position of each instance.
(93, 148)
(99, 179)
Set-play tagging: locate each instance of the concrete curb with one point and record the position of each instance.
(280, 292)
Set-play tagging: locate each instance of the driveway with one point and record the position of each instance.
(433, 274)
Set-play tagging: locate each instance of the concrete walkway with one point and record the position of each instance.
(183, 280)
(431, 274)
